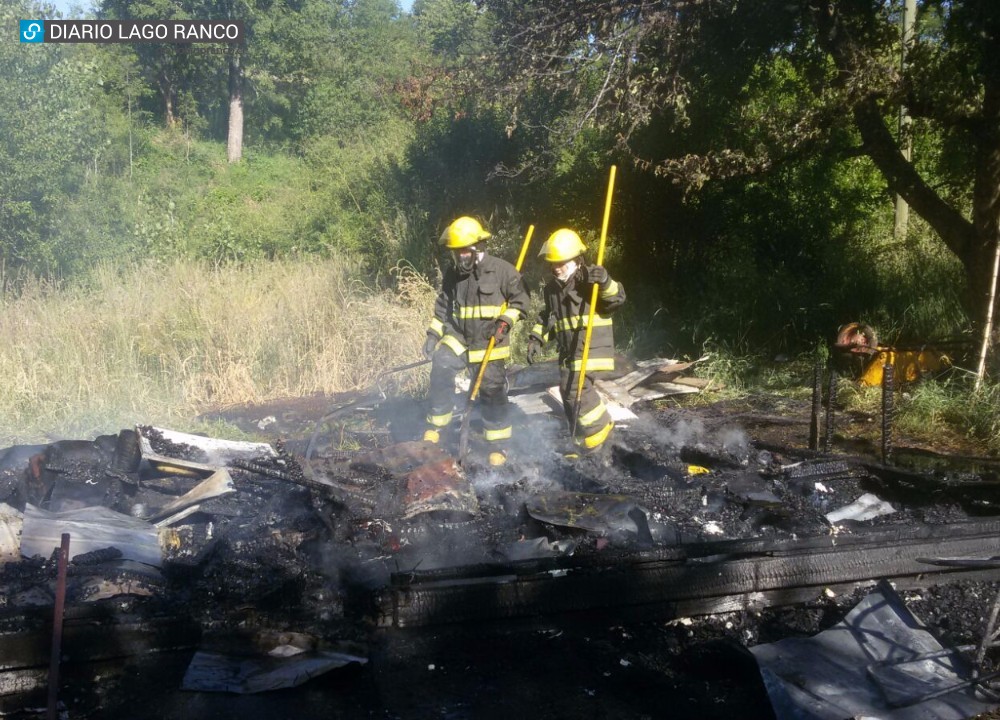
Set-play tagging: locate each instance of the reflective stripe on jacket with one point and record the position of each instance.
(468, 305)
(565, 317)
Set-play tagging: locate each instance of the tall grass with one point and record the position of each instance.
(159, 343)
(951, 405)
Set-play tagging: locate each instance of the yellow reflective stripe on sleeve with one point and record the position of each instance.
(592, 441)
(512, 315)
(610, 291)
(439, 420)
(589, 418)
(595, 364)
(479, 312)
(436, 327)
(538, 330)
(454, 343)
(576, 322)
(499, 353)
(501, 434)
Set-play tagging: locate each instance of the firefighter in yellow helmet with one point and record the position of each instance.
(466, 315)
(564, 318)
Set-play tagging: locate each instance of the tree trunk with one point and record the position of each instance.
(986, 182)
(973, 241)
(234, 142)
(167, 93)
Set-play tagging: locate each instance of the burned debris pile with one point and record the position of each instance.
(283, 558)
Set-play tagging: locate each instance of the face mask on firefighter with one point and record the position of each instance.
(564, 271)
(466, 258)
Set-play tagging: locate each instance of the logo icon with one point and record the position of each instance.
(32, 31)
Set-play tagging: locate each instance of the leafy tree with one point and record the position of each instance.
(648, 73)
(452, 29)
(60, 133)
(168, 67)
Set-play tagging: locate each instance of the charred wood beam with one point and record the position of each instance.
(831, 400)
(715, 575)
(89, 636)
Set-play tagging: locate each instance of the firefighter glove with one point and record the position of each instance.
(429, 345)
(500, 329)
(597, 274)
(534, 349)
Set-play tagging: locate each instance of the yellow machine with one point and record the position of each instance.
(908, 365)
(857, 350)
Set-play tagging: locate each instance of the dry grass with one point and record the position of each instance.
(161, 343)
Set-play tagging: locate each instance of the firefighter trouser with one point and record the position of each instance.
(445, 365)
(593, 424)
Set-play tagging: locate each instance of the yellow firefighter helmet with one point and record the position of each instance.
(463, 232)
(562, 245)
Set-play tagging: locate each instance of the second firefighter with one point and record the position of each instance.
(565, 316)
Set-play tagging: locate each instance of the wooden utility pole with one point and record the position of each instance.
(907, 21)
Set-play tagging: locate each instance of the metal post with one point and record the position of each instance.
(988, 323)
(817, 401)
(831, 399)
(989, 634)
(887, 410)
(57, 627)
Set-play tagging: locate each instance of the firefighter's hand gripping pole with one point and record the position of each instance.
(463, 435)
(593, 301)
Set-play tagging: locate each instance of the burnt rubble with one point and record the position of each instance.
(685, 515)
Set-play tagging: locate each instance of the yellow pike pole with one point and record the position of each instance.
(463, 435)
(593, 301)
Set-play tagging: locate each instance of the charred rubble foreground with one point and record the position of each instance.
(604, 586)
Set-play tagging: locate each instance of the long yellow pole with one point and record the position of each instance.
(503, 308)
(593, 297)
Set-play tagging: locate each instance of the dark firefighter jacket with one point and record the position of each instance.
(567, 309)
(467, 307)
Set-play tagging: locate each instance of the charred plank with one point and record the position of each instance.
(711, 576)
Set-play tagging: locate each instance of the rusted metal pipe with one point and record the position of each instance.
(817, 402)
(831, 399)
(57, 628)
(888, 412)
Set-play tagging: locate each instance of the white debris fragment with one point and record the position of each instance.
(712, 528)
(820, 487)
(866, 507)
(624, 663)
(11, 522)
(285, 651)
(829, 593)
